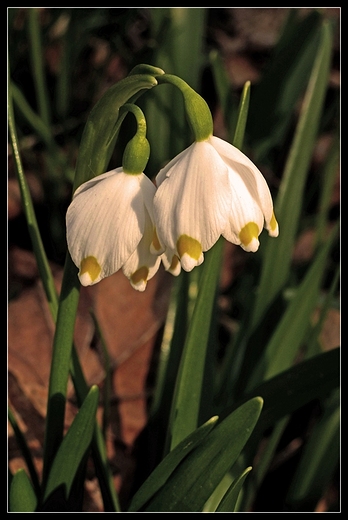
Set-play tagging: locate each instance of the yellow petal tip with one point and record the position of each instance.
(89, 271)
(175, 266)
(155, 246)
(138, 279)
(249, 237)
(189, 251)
(273, 228)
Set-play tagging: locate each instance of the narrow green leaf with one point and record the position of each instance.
(25, 452)
(162, 472)
(195, 479)
(224, 91)
(28, 208)
(74, 446)
(266, 456)
(186, 401)
(103, 471)
(37, 62)
(328, 176)
(288, 391)
(278, 253)
(284, 344)
(22, 495)
(185, 43)
(215, 498)
(283, 82)
(319, 459)
(228, 503)
(242, 118)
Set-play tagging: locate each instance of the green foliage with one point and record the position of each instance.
(225, 409)
(195, 479)
(22, 495)
(74, 446)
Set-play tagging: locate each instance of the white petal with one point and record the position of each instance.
(244, 210)
(142, 265)
(193, 197)
(251, 175)
(167, 170)
(105, 220)
(171, 262)
(188, 263)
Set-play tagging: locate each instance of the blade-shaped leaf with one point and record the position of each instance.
(283, 81)
(284, 344)
(229, 500)
(22, 495)
(312, 379)
(160, 475)
(278, 254)
(74, 445)
(195, 479)
(20, 438)
(186, 401)
(319, 459)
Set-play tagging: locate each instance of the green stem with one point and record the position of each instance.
(197, 110)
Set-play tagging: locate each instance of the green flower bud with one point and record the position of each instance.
(136, 155)
(137, 151)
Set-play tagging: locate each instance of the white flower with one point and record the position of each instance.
(210, 189)
(110, 226)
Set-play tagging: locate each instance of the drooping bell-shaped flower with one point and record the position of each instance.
(208, 190)
(110, 221)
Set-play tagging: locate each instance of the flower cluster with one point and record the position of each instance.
(122, 220)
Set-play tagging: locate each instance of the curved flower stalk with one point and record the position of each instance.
(110, 222)
(209, 189)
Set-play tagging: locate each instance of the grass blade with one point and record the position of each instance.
(278, 253)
